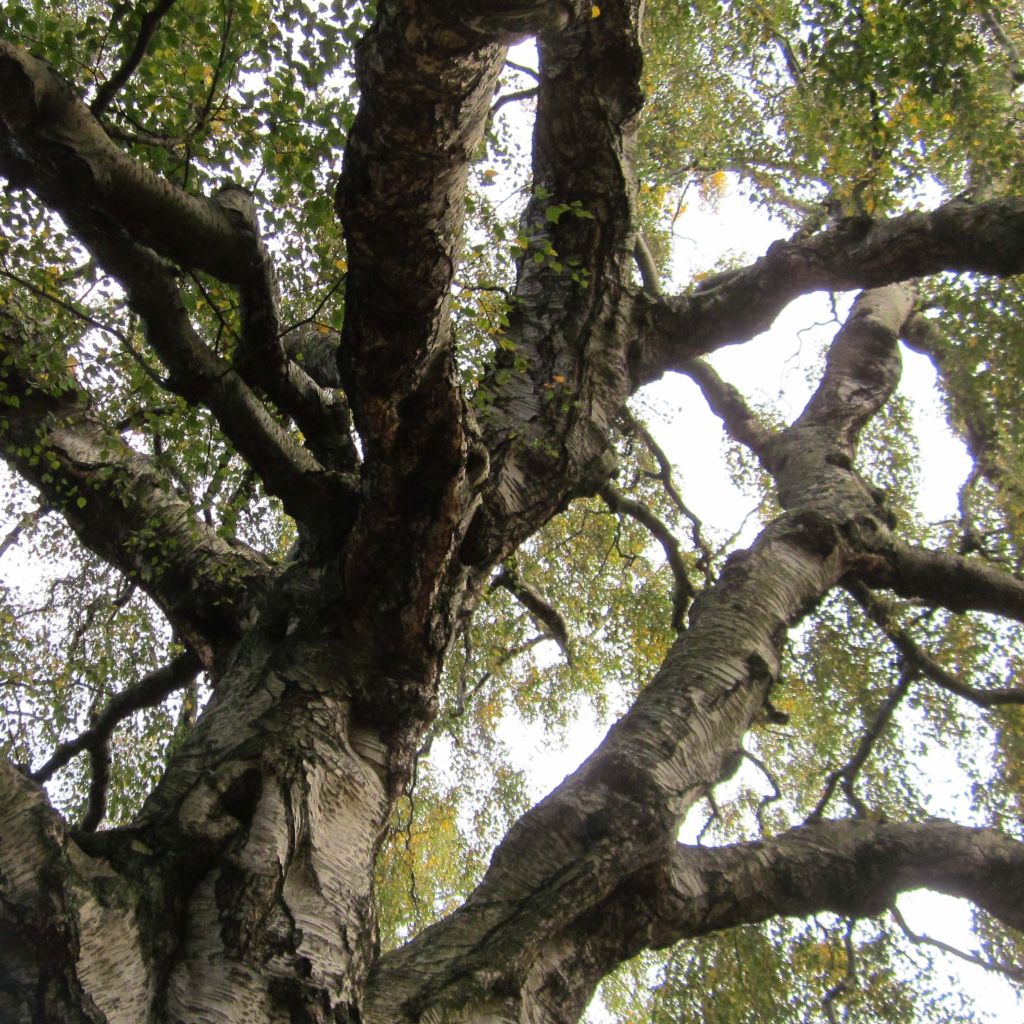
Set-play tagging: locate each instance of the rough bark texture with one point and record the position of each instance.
(243, 891)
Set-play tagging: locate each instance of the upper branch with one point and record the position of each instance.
(985, 238)
(109, 89)
(547, 424)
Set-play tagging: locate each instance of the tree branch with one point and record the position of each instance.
(538, 606)
(122, 507)
(149, 691)
(884, 616)
(683, 591)
(51, 143)
(147, 28)
(986, 238)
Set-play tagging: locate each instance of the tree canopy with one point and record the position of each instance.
(325, 329)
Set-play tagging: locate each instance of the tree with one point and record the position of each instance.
(323, 443)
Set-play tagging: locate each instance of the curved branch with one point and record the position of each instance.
(149, 691)
(122, 507)
(883, 615)
(986, 238)
(51, 143)
(538, 606)
(683, 591)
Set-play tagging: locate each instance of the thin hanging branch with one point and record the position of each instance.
(883, 615)
(848, 982)
(918, 939)
(705, 555)
(847, 775)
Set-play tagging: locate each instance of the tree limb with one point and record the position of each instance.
(122, 507)
(149, 691)
(883, 615)
(983, 238)
(51, 143)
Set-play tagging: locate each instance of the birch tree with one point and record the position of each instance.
(327, 461)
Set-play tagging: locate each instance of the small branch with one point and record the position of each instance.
(1007, 970)
(148, 692)
(537, 605)
(96, 805)
(705, 555)
(848, 773)
(530, 72)
(512, 97)
(726, 402)
(150, 22)
(683, 591)
(848, 982)
(68, 307)
(883, 614)
(27, 520)
(773, 797)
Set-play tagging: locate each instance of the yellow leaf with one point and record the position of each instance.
(341, 264)
(595, 11)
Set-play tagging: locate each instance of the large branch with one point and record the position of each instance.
(854, 868)
(426, 80)
(560, 377)
(308, 490)
(620, 811)
(985, 238)
(122, 507)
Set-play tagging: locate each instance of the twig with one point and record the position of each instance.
(1016, 973)
(845, 984)
(69, 307)
(664, 474)
(27, 519)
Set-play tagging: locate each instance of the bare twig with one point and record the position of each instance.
(1009, 971)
